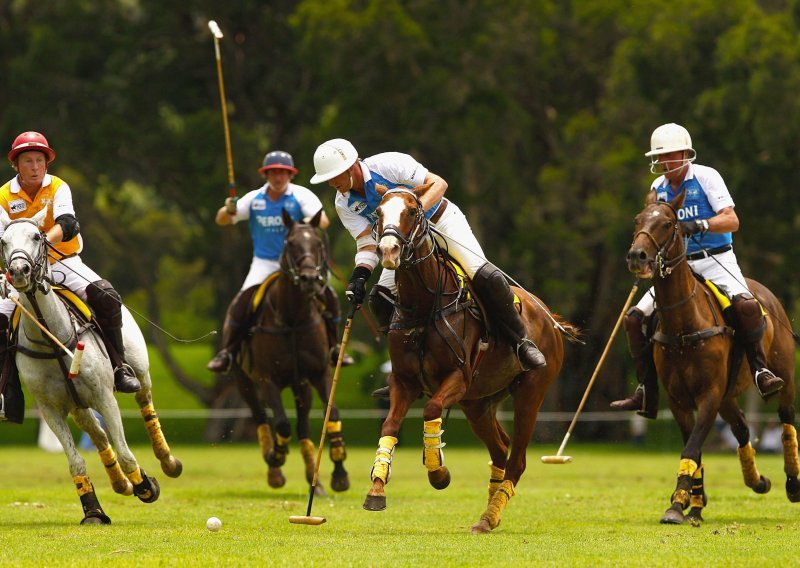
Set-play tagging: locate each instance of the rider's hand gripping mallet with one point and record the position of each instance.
(230, 203)
(558, 458)
(308, 519)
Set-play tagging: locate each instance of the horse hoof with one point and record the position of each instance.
(172, 467)
(672, 516)
(440, 478)
(275, 459)
(763, 486)
(96, 519)
(319, 491)
(340, 482)
(275, 478)
(481, 527)
(148, 491)
(375, 503)
(793, 489)
(695, 516)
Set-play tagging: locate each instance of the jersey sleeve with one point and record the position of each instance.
(354, 223)
(62, 201)
(243, 205)
(398, 167)
(310, 204)
(714, 186)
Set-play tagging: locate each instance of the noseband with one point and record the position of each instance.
(416, 237)
(37, 262)
(665, 265)
(291, 265)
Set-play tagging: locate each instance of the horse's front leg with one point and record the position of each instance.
(451, 390)
(93, 513)
(302, 403)
(399, 403)
(791, 461)
(170, 465)
(86, 420)
(340, 480)
(276, 454)
(695, 430)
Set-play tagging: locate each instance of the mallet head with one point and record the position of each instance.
(557, 459)
(304, 520)
(212, 25)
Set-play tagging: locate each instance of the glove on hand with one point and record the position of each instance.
(357, 287)
(230, 205)
(693, 227)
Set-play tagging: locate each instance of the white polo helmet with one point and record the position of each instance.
(332, 158)
(669, 138)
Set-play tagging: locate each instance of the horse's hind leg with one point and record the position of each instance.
(276, 452)
(93, 513)
(87, 421)
(733, 415)
(302, 400)
(170, 465)
(340, 480)
(791, 463)
(482, 420)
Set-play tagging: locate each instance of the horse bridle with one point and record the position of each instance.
(291, 266)
(416, 237)
(664, 265)
(37, 263)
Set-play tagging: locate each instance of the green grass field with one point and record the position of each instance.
(601, 510)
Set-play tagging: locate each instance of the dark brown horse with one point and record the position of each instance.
(438, 348)
(694, 358)
(288, 348)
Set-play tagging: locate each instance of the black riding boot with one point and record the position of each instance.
(106, 303)
(381, 304)
(331, 318)
(751, 324)
(237, 321)
(12, 400)
(645, 399)
(491, 286)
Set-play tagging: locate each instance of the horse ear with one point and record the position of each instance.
(677, 203)
(651, 198)
(381, 189)
(288, 222)
(40, 217)
(420, 190)
(314, 222)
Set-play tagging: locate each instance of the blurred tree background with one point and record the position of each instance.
(536, 112)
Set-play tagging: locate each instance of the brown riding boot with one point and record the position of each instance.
(237, 322)
(645, 399)
(331, 318)
(106, 303)
(751, 326)
(492, 287)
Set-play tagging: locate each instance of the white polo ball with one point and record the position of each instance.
(213, 524)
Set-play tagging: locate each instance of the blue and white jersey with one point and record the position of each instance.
(265, 220)
(390, 169)
(706, 194)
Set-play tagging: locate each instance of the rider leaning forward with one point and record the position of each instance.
(707, 220)
(336, 162)
(262, 209)
(32, 190)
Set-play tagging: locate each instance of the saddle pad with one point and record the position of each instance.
(258, 297)
(722, 298)
(462, 282)
(73, 301)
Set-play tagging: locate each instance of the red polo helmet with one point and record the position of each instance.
(31, 141)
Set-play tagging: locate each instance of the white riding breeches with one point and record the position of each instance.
(260, 270)
(722, 269)
(70, 273)
(457, 239)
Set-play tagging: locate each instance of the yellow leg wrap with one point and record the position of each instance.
(432, 456)
(83, 485)
(306, 447)
(382, 466)
(687, 467)
(153, 425)
(496, 476)
(747, 459)
(265, 441)
(498, 503)
(108, 457)
(135, 476)
(336, 441)
(696, 497)
(283, 441)
(334, 427)
(791, 463)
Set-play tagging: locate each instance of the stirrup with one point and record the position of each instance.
(125, 379)
(773, 383)
(527, 352)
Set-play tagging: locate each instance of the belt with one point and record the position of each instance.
(438, 215)
(708, 252)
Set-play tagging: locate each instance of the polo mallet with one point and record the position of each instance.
(217, 33)
(308, 519)
(558, 458)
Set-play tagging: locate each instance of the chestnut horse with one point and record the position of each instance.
(438, 347)
(695, 362)
(288, 348)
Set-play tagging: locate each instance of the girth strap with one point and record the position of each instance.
(690, 338)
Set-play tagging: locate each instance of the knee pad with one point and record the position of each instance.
(381, 305)
(105, 300)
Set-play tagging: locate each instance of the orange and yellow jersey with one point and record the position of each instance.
(54, 192)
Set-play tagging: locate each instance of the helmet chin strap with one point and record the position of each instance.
(654, 169)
